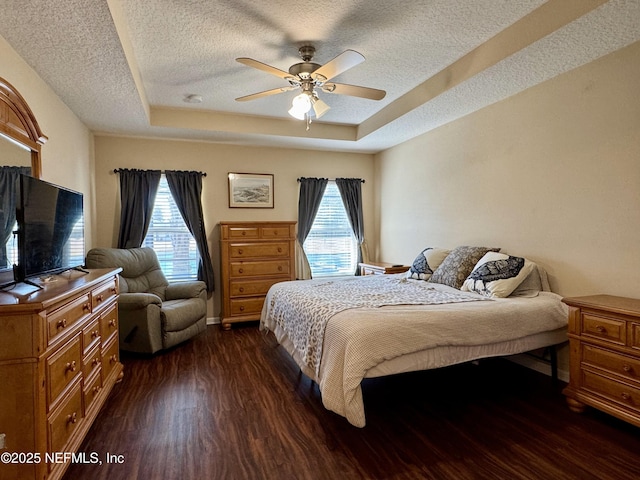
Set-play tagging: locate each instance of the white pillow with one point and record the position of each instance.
(426, 262)
(497, 275)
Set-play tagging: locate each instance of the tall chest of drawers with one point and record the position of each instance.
(59, 360)
(604, 338)
(254, 256)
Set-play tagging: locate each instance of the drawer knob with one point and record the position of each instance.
(70, 366)
(241, 289)
(113, 290)
(99, 298)
(62, 323)
(279, 249)
(86, 307)
(279, 268)
(241, 270)
(627, 368)
(96, 389)
(73, 418)
(112, 322)
(240, 252)
(625, 396)
(244, 233)
(601, 329)
(113, 358)
(242, 308)
(95, 362)
(95, 334)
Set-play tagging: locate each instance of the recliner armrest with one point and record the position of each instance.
(178, 290)
(134, 301)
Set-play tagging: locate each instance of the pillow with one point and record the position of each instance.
(454, 269)
(426, 262)
(531, 286)
(497, 275)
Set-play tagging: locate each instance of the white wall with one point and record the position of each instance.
(552, 174)
(67, 157)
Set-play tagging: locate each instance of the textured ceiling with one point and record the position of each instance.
(125, 66)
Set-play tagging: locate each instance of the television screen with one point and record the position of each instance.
(50, 229)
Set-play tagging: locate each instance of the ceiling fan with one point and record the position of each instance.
(310, 77)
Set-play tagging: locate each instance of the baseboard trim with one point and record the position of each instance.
(213, 320)
(538, 365)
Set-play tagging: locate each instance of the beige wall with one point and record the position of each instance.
(552, 174)
(216, 161)
(67, 157)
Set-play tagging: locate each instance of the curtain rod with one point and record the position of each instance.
(330, 179)
(117, 170)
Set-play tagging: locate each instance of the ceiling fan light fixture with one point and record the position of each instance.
(320, 107)
(300, 106)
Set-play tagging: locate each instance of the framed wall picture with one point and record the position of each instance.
(250, 190)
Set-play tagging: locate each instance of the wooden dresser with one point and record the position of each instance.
(59, 360)
(254, 256)
(604, 336)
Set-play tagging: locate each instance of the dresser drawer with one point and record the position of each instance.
(103, 294)
(276, 231)
(246, 306)
(249, 250)
(242, 232)
(91, 390)
(60, 320)
(65, 420)
(90, 335)
(269, 267)
(109, 323)
(62, 368)
(91, 363)
(617, 392)
(628, 367)
(109, 358)
(604, 328)
(245, 288)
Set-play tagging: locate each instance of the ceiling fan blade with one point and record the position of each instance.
(342, 63)
(250, 62)
(266, 93)
(354, 91)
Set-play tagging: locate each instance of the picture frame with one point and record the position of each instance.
(250, 190)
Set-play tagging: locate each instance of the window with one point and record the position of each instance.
(331, 247)
(170, 238)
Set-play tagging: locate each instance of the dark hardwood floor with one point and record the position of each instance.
(232, 405)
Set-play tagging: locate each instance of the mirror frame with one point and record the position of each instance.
(18, 123)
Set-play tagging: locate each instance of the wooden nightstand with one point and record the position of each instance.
(381, 268)
(604, 336)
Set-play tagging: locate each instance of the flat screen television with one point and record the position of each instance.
(50, 229)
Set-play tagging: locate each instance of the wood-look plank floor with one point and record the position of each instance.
(232, 405)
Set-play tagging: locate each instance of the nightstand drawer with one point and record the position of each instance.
(604, 328)
(90, 335)
(614, 362)
(619, 393)
(109, 323)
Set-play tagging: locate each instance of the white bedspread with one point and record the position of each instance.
(358, 339)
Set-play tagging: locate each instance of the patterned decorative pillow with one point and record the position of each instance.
(497, 275)
(426, 262)
(455, 269)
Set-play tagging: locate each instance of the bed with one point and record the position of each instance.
(340, 331)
